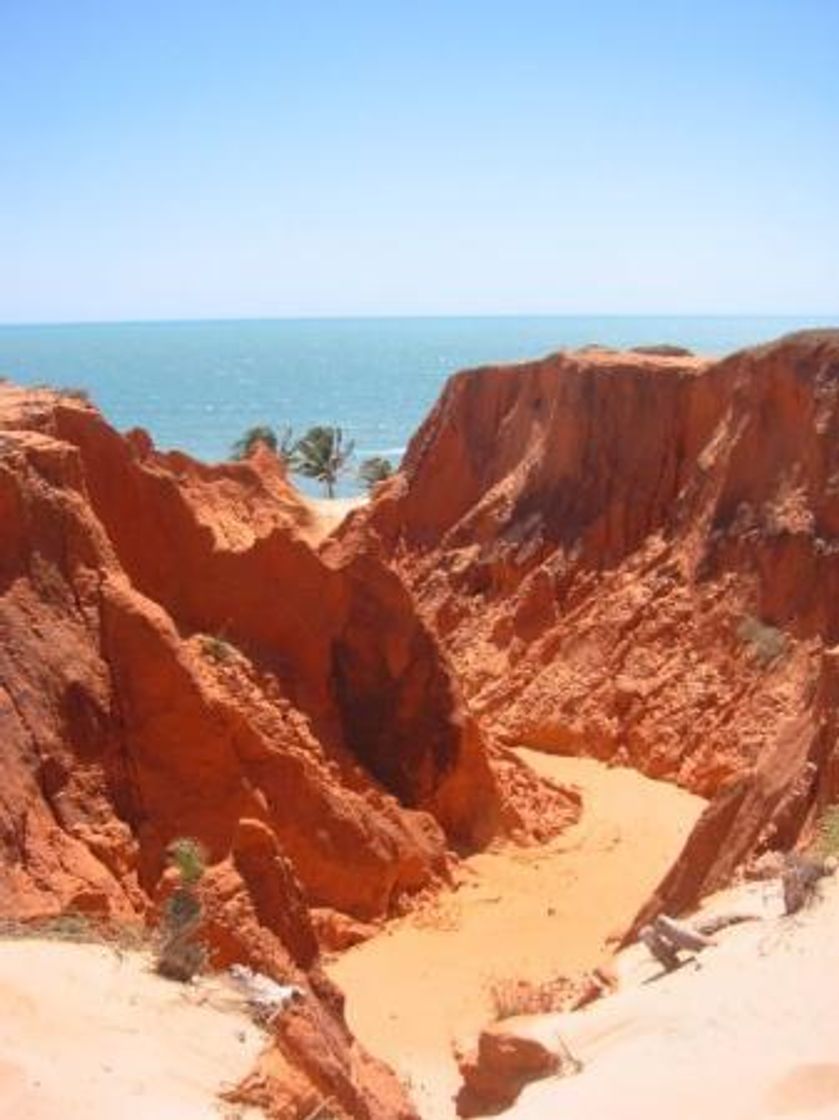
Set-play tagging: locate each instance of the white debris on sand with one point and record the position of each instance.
(265, 997)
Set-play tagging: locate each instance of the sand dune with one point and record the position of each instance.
(87, 1033)
(748, 1032)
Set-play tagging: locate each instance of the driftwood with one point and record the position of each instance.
(681, 934)
(665, 953)
(666, 937)
(800, 879)
(716, 922)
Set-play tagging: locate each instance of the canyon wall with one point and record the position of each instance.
(634, 556)
(176, 659)
(626, 555)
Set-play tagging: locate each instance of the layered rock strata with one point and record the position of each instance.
(635, 556)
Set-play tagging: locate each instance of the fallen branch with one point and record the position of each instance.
(680, 934)
(716, 922)
(666, 938)
(666, 955)
(800, 879)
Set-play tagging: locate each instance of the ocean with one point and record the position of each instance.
(199, 385)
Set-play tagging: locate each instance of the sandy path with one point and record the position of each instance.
(517, 915)
(87, 1034)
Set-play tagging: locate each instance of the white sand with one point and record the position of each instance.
(518, 915)
(89, 1034)
(749, 1032)
(329, 513)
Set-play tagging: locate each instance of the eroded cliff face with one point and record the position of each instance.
(635, 557)
(621, 555)
(175, 651)
(175, 659)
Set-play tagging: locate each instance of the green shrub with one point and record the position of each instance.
(189, 858)
(827, 833)
(180, 953)
(216, 648)
(766, 642)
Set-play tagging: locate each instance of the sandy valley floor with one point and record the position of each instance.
(528, 914)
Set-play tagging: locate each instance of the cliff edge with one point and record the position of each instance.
(634, 556)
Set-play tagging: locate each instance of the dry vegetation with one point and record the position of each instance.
(522, 997)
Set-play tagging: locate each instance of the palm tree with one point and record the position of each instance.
(281, 445)
(375, 470)
(322, 454)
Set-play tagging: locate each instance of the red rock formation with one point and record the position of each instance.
(174, 650)
(509, 1054)
(633, 556)
(626, 555)
(176, 660)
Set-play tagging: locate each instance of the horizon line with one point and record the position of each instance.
(418, 317)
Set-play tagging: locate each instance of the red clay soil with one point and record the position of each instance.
(635, 557)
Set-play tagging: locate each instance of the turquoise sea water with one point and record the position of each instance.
(199, 385)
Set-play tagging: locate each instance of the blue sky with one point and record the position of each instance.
(200, 159)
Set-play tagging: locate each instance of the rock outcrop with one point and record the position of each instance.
(509, 1054)
(634, 556)
(175, 660)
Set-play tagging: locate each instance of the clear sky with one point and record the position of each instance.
(193, 158)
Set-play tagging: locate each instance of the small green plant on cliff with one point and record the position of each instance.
(216, 648)
(826, 843)
(180, 953)
(766, 642)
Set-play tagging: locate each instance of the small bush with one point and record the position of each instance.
(63, 927)
(180, 952)
(767, 643)
(521, 997)
(827, 833)
(189, 858)
(216, 648)
(79, 929)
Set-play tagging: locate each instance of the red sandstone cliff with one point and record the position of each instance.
(176, 660)
(630, 556)
(634, 556)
